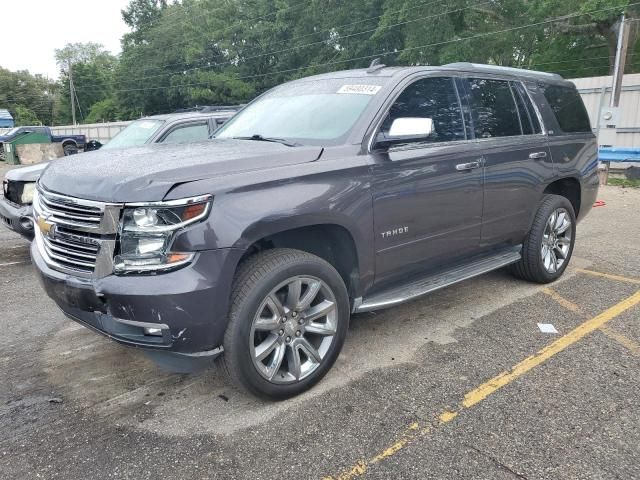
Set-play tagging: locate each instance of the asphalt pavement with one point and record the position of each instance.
(459, 384)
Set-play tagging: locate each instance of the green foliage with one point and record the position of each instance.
(93, 71)
(106, 110)
(192, 52)
(23, 92)
(25, 116)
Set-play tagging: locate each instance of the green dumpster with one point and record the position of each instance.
(10, 154)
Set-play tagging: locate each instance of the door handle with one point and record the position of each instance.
(538, 155)
(468, 166)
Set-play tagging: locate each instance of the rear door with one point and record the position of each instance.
(517, 160)
(427, 194)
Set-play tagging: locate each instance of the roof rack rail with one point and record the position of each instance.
(375, 65)
(210, 108)
(497, 68)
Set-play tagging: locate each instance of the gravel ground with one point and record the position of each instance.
(74, 405)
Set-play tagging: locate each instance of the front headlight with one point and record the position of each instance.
(147, 231)
(28, 189)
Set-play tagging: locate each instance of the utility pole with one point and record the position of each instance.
(609, 117)
(72, 93)
(621, 60)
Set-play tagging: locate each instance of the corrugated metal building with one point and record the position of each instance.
(6, 120)
(596, 93)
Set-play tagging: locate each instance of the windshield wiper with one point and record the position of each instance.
(259, 138)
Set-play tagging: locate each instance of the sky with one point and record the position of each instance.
(35, 28)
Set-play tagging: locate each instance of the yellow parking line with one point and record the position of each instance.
(626, 342)
(483, 391)
(629, 344)
(609, 276)
(569, 305)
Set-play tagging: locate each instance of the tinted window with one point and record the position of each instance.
(528, 116)
(494, 107)
(568, 107)
(136, 133)
(434, 98)
(188, 133)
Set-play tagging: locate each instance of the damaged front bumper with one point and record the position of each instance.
(179, 318)
(16, 217)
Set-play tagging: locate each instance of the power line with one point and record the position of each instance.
(241, 22)
(290, 40)
(396, 52)
(297, 47)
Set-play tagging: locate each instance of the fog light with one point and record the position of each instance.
(156, 332)
(26, 223)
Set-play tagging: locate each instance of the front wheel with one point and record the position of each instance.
(288, 321)
(549, 245)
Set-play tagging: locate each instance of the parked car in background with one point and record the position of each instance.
(183, 127)
(71, 144)
(345, 192)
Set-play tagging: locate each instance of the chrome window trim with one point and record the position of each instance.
(172, 203)
(401, 87)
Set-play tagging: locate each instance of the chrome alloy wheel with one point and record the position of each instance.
(556, 240)
(293, 329)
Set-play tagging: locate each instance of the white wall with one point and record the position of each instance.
(596, 92)
(103, 132)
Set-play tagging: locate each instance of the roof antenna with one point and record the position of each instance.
(375, 65)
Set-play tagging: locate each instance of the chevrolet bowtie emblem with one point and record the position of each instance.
(45, 226)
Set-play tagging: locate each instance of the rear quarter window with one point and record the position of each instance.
(568, 108)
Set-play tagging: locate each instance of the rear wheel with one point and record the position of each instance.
(70, 149)
(549, 245)
(288, 321)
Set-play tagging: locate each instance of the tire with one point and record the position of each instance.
(539, 268)
(69, 149)
(265, 290)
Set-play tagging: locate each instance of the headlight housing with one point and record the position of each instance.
(147, 231)
(28, 190)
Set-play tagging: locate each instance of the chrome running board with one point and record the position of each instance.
(422, 286)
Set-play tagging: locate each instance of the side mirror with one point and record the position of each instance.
(406, 130)
(411, 127)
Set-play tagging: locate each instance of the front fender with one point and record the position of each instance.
(241, 217)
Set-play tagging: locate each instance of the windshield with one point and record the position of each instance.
(137, 133)
(315, 112)
(11, 132)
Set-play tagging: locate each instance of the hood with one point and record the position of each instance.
(149, 172)
(27, 174)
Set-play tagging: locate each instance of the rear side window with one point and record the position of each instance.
(435, 98)
(494, 106)
(528, 116)
(568, 108)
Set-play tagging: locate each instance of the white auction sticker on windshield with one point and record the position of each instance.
(360, 89)
(147, 125)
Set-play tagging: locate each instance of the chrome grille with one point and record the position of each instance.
(70, 211)
(81, 256)
(74, 235)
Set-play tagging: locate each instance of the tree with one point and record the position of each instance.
(21, 92)
(106, 110)
(25, 116)
(93, 76)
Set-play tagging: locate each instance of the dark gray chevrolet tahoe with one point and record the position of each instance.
(326, 196)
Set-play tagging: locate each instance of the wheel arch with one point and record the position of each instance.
(332, 242)
(568, 187)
